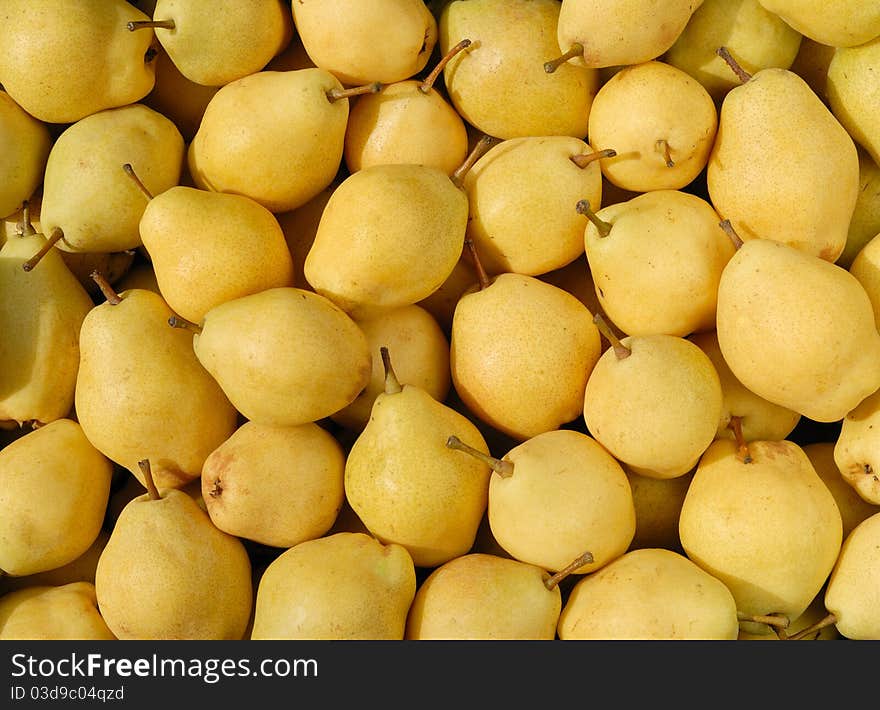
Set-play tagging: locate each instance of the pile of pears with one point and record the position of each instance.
(451, 319)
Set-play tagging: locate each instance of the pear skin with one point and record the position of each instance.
(53, 613)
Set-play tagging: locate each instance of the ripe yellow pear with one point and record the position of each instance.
(168, 573)
(284, 356)
(865, 267)
(865, 222)
(650, 593)
(857, 447)
(25, 143)
(853, 92)
(658, 504)
(345, 586)
(54, 489)
(53, 613)
(836, 23)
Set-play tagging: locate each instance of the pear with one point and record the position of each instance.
(865, 267)
(857, 446)
(656, 261)
(214, 43)
(441, 303)
(757, 38)
(555, 495)
(275, 485)
(811, 65)
(88, 197)
(41, 312)
(25, 143)
(865, 222)
(73, 58)
(66, 612)
(141, 390)
(812, 319)
(654, 402)
(54, 489)
(207, 248)
(403, 482)
(770, 183)
(513, 324)
(631, 31)
(758, 517)
(274, 136)
(656, 148)
(649, 594)
(385, 40)
(345, 586)
(498, 84)
(657, 502)
(264, 347)
(527, 181)
(836, 23)
(168, 573)
(853, 93)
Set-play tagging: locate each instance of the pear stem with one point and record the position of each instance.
(555, 579)
(144, 466)
(137, 181)
(482, 276)
(827, 620)
(584, 159)
(741, 73)
(429, 80)
(742, 446)
(577, 50)
(476, 153)
(499, 466)
(620, 350)
(51, 241)
(731, 232)
(775, 620)
(603, 227)
(178, 322)
(336, 94)
(145, 24)
(25, 228)
(112, 297)
(662, 147)
(392, 384)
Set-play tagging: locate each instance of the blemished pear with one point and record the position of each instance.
(812, 319)
(781, 530)
(480, 596)
(53, 613)
(262, 347)
(835, 23)
(650, 593)
(54, 493)
(25, 143)
(857, 447)
(67, 59)
(347, 585)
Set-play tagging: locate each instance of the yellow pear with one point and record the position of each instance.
(649, 594)
(441, 303)
(284, 356)
(865, 267)
(780, 531)
(168, 573)
(66, 59)
(811, 65)
(275, 485)
(857, 447)
(853, 92)
(836, 23)
(345, 586)
(25, 143)
(812, 319)
(865, 222)
(658, 504)
(54, 489)
(406, 485)
(498, 83)
(665, 144)
(66, 612)
(141, 391)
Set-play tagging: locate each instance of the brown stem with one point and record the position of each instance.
(828, 620)
(482, 276)
(392, 384)
(742, 447)
(178, 322)
(774, 620)
(112, 297)
(577, 50)
(25, 228)
(155, 24)
(741, 73)
(144, 466)
(620, 350)
(51, 241)
(499, 466)
(137, 181)
(428, 83)
(476, 153)
(603, 227)
(336, 94)
(555, 579)
(662, 147)
(584, 159)
(731, 232)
